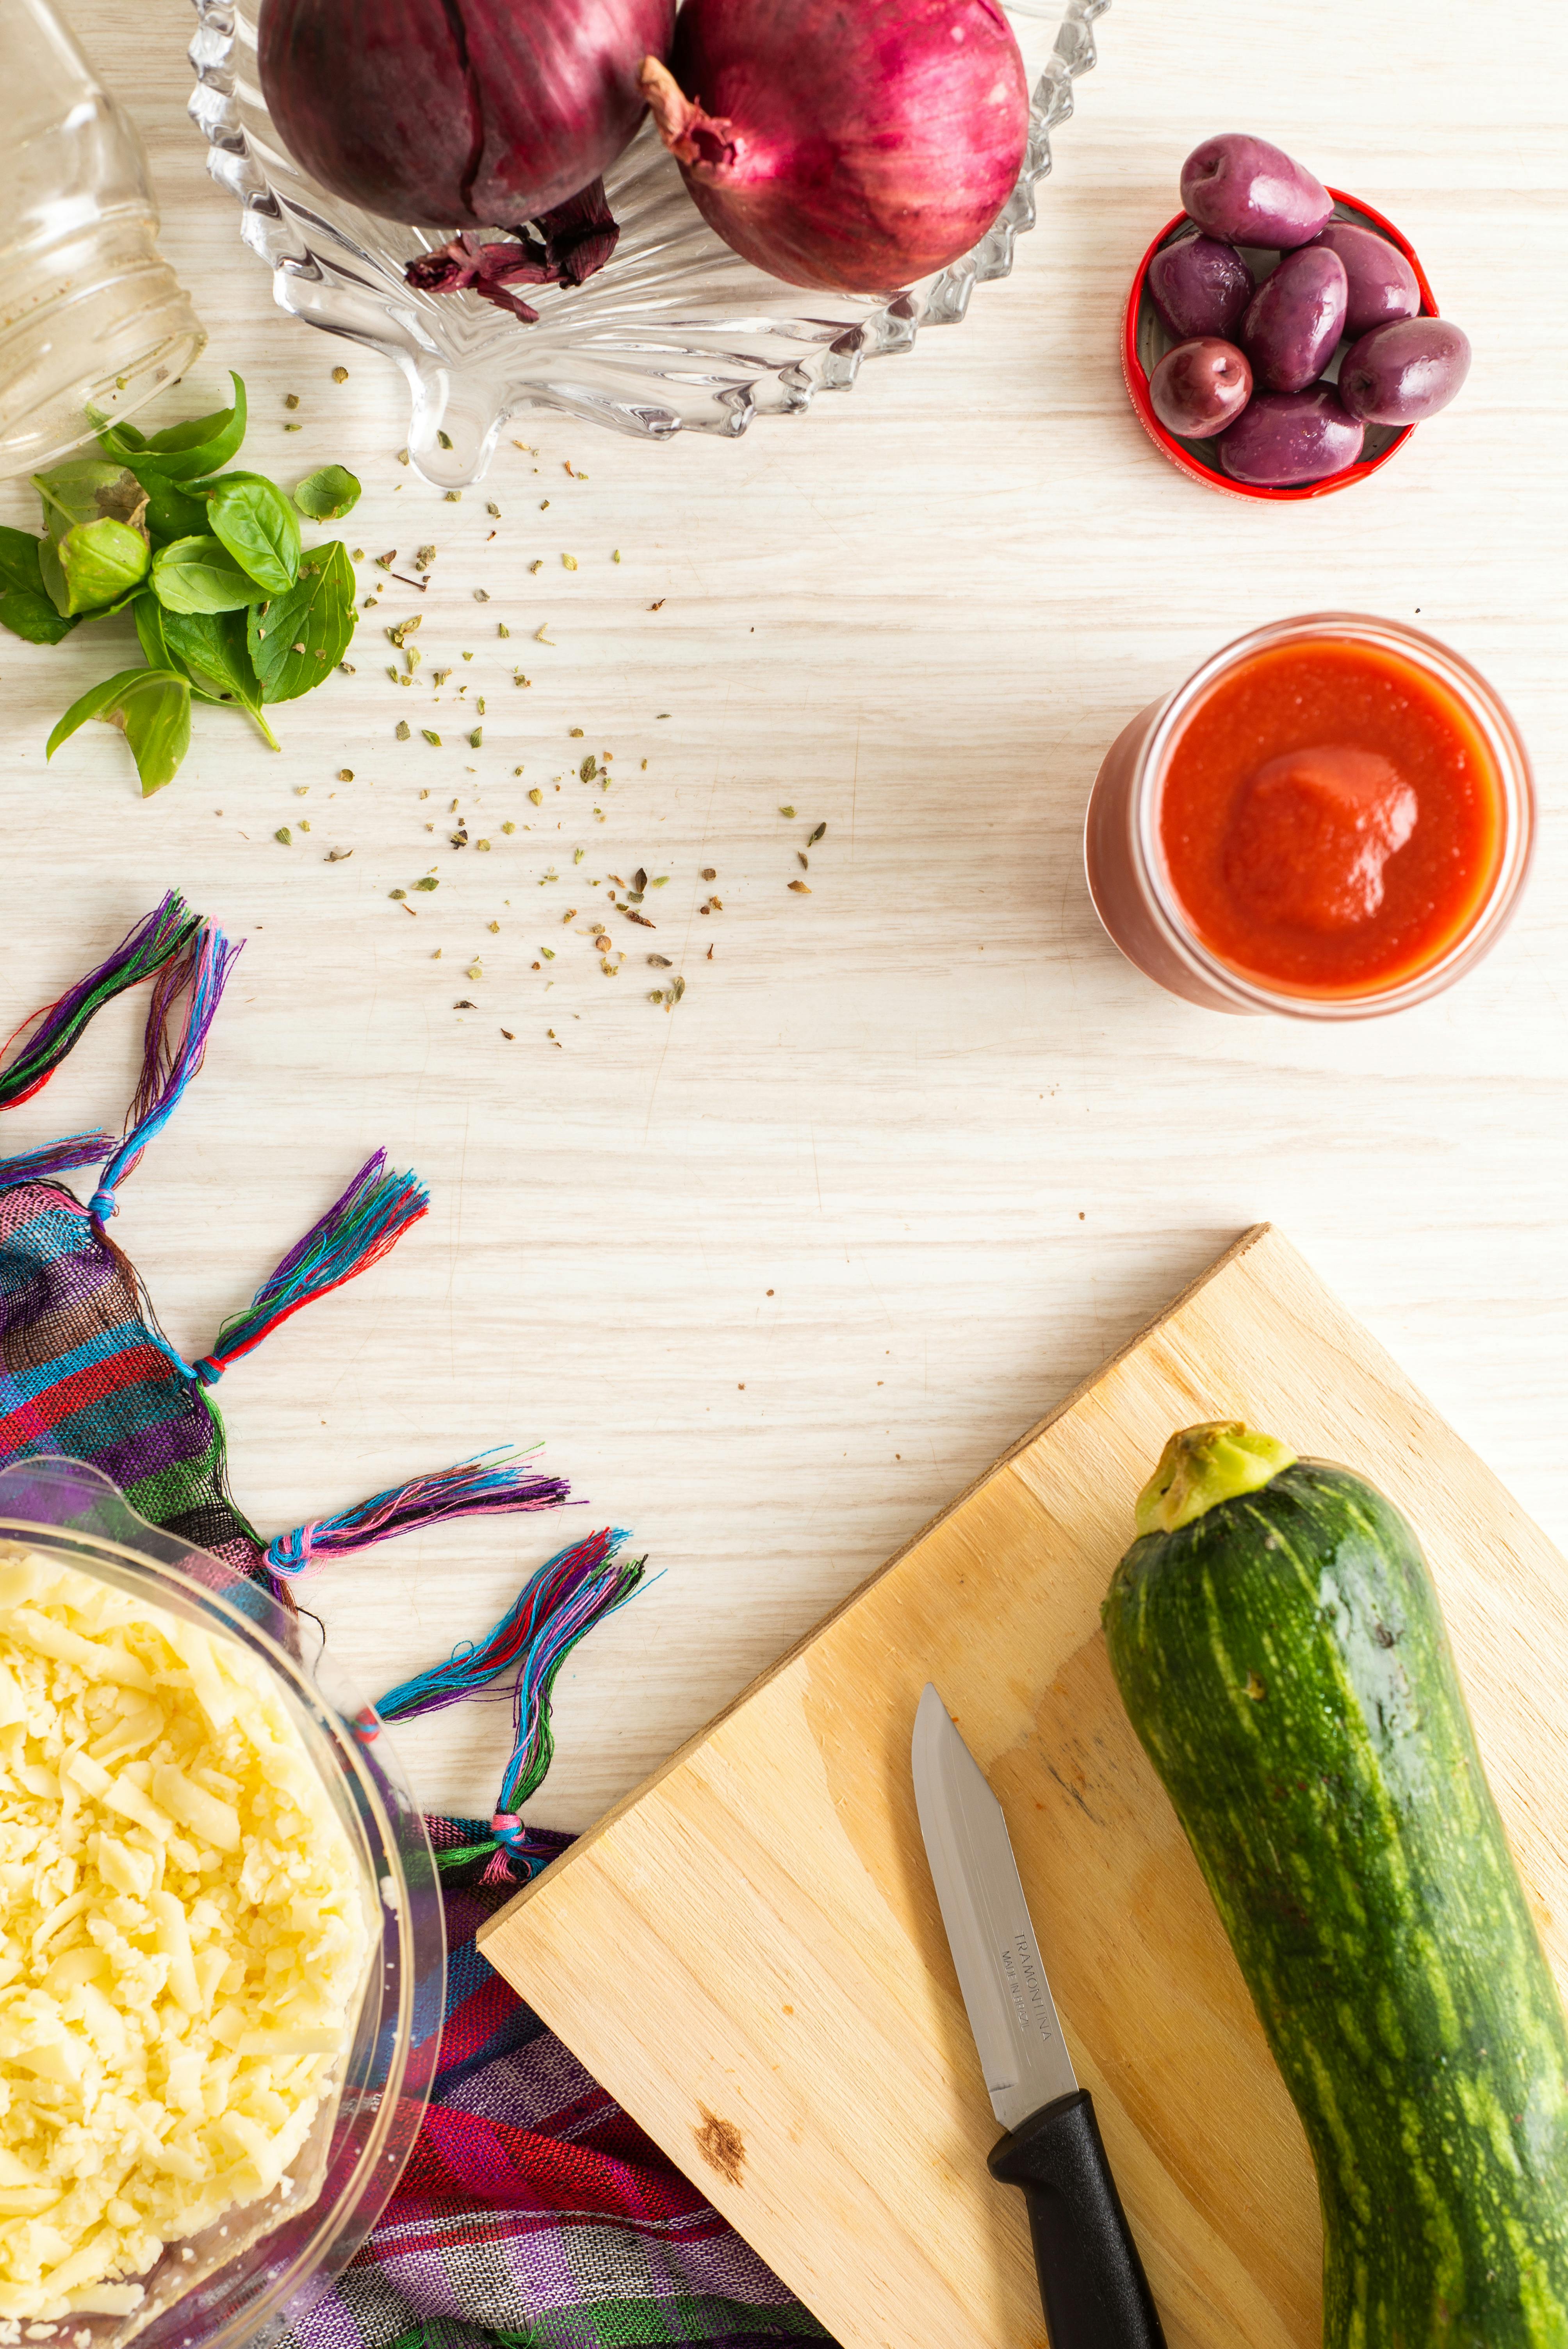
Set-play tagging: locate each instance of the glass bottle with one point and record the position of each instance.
(91, 313)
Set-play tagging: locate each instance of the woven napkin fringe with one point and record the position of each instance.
(187, 961)
(533, 2211)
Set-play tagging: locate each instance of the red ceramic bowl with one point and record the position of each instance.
(1145, 339)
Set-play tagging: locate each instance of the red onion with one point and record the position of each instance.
(468, 113)
(855, 146)
(573, 240)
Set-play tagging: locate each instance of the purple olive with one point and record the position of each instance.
(1245, 192)
(1383, 286)
(1199, 286)
(1284, 438)
(1200, 387)
(1405, 371)
(1295, 318)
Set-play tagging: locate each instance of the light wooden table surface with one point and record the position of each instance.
(773, 1277)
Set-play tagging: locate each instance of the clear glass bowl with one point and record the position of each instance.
(270, 2263)
(676, 334)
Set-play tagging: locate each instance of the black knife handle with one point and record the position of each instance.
(1092, 2282)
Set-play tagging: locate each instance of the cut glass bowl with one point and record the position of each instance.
(677, 333)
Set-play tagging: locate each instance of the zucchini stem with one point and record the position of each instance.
(1201, 1466)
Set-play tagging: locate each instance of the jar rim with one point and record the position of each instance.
(1487, 711)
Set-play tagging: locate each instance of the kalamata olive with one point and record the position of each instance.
(1295, 319)
(1282, 439)
(1201, 386)
(1402, 372)
(1248, 192)
(1383, 284)
(1199, 286)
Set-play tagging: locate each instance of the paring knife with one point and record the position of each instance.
(1092, 2283)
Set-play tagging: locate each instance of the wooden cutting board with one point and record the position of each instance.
(747, 1951)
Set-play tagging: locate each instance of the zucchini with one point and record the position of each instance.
(1278, 1644)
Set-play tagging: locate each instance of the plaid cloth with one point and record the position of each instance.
(84, 1374)
(532, 2208)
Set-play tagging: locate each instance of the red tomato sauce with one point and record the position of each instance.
(1332, 818)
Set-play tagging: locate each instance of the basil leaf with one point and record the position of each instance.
(155, 717)
(170, 513)
(126, 603)
(209, 647)
(24, 607)
(88, 490)
(96, 552)
(327, 495)
(258, 527)
(152, 708)
(148, 614)
(53, 577)
(157, 722)
(199, 575)
(296, 640)
(95, 564)
(184, 453)
(95, 698)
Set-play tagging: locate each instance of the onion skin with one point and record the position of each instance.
(573, 240)
(461, 113)
(853, 147)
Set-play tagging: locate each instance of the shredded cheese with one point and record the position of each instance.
(183, 1937)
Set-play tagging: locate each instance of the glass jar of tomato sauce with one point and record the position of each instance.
(1332, 818)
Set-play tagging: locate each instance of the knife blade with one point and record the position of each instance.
(1092, 2285)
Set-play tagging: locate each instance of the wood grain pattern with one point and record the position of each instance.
(928, 1108)
(747, 1951)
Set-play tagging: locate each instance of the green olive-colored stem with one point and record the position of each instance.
(1201, 1466)
(254, 710)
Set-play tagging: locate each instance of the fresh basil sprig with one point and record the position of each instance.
(229, 607)
(153, 707)
(94, 553)
(184, 453)
(259, 527)
(86, 491)
(95, 566)
(26, 606)
(209, 647)
(170, 512)
(199, 575)
(296, 639)
(327, 495)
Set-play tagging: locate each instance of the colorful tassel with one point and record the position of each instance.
(55, 1158)
(144, 950)
(476, 1842)
(371, 1218)
(519, 1857)
(196, 974)
(588, 1591)
(471, 1489)
(565, 1599)
(474, 1664)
